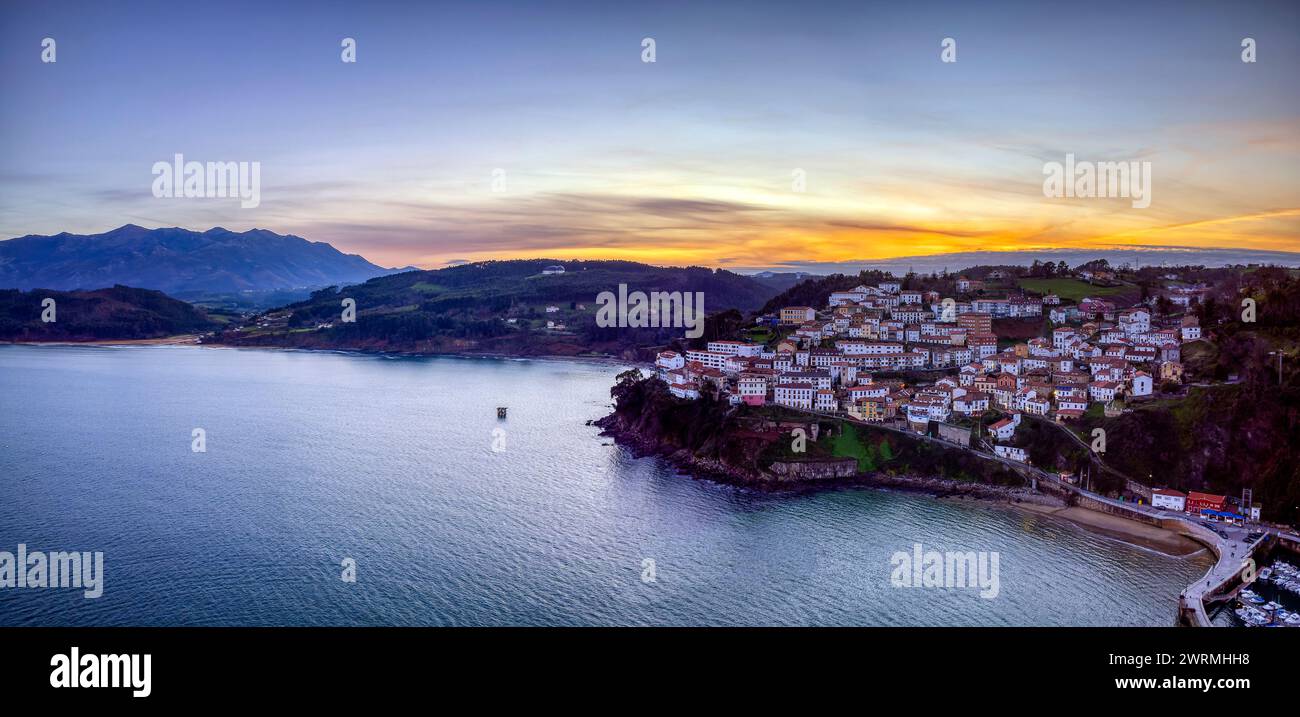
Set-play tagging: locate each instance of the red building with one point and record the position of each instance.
(1196, 502)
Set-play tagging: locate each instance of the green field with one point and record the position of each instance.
(1071, 289)
(849, 444)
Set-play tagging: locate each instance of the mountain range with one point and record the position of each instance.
(180, 262)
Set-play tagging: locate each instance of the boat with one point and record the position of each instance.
(1266, 574)
(1252, 617)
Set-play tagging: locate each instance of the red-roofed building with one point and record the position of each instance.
(1196, 502)
(1003, 429)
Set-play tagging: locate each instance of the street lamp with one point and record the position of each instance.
(1279, 365)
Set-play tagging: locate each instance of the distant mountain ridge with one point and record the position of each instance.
(178, 261)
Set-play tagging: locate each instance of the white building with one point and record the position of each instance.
(735, 348)
(667, 361)
(1103, 391)
(709, 359)
(1012, 452)
(1142, 384)
(795, 395)
(689, 391)
(1168, 499)
(1003, 430)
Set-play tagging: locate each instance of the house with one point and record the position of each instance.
(1090, 308)
(824, 400)
(1070, 406)
(1171, 371)
(553, 269)
(873, 410)
(552, 309)
(1003, 430)
(1012, 452)
(668, 361)
(1141, 385)
(971, 404)
(1135, 321)
(1196, 502)
(689, 391)
(870, 390)
(1103, 391)
(1191, 328)
(752, 390)
(1168, 499)
(976, 322)
(1062, 336)
(1037, 406)
(798, 314)
(794, 395)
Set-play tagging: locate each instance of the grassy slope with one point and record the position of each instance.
(1071, 289)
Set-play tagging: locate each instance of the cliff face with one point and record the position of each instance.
(1218, 440)
(801, 471)
(697, 435)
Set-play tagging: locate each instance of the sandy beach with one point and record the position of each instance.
(1129, 531)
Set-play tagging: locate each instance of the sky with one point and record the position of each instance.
(488, 130)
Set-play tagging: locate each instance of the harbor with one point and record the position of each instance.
(1272, 600)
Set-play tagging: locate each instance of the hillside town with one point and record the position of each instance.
(868, 355)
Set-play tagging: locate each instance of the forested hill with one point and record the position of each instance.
(1223, 438)
(120, 312)
(495, 307)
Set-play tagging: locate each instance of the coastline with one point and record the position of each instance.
(193, 340)
(1132, 532)
(177, 340)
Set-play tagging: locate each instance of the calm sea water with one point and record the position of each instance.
(316, 457)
